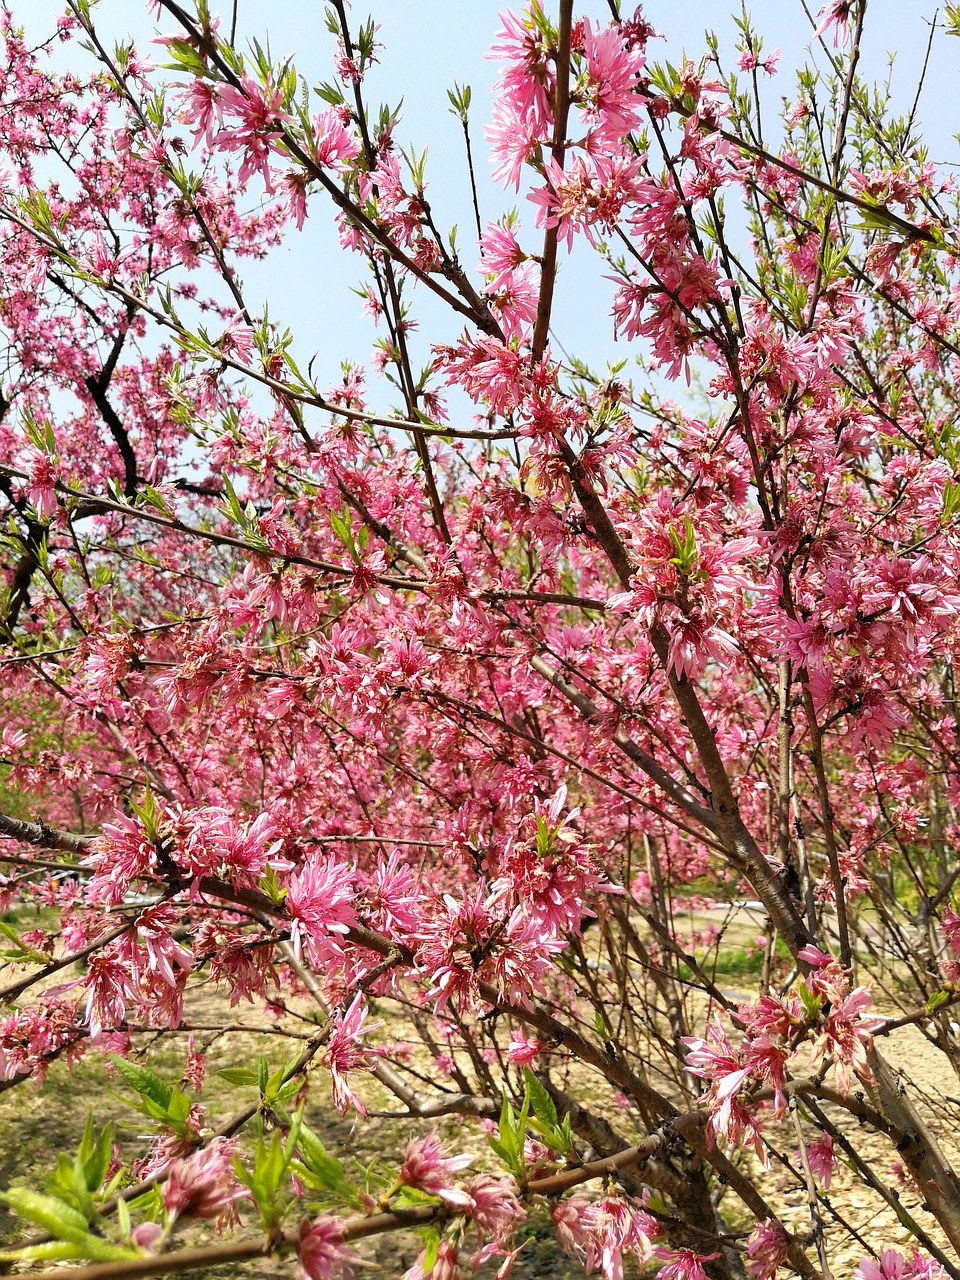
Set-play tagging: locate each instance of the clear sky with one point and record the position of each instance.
(429, 44)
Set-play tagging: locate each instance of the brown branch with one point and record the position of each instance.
(27, 565)
(10, 993)
(161, 1264)
(561, 106)
(677, 792)
(910, 229)
(480, 316)
(98, 395)
(97, 505)
(682, 1127)
(38, 833)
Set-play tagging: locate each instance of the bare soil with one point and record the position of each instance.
(35, 1125)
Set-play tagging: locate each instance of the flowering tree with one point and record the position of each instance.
(466, 696)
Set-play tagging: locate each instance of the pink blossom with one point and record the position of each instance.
(332, 144)
(523, 1050)
(110, 988)
(612, 103)
(344, 1051)
(514, 297)
(846, 1038)
(822, 1160)
(683, 1264)
(922, 1267)
(203, 108)
(256, 129)
(205, 1185)
(446, 1265)
(158, 953)
(427, 1168)
(716, 1060)
(525, 81)
(147, 1235)
(321, 1254)
(617, 1228)
(13, 740)
(889, 1267)
(767, 1249)
(320, 902)
(951, 929)
(584, 195)
(122, 854)
(573, 1218)
(481, 939)
(238, 341)
(292, 188)
(108, 663)
(513, 141)
(494, 1207)
(440, 691)
(500, 252)
(835, 14)
(196, 1066)
(40, 489)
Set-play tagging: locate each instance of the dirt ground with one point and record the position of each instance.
(36, 1125)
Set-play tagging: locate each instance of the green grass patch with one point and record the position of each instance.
(735, 962)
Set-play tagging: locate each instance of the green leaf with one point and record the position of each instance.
(951, 500)
(155, 499)
(431, 1247)
(270, 884)
(876, 218)
(508, 1122)
(566, 1134)
(179, 1107)
(65, 1251)
(273, 1084)
(231, 503)
(329, 93)
(509, 1144)
(238, 1076)
(62, 1178)
(315, 1156)
(143, 1081)
(544, 836)
(685, 548)
(341, 525)
(540, 1101)
(80, 1192)
(23, 954)
(185, 58)
(97, 1162)
(271, 1162)
(50, 1213)
(459, 99)
(149, 815)
(812, 1003)
(936, 1000)
(499, 1149)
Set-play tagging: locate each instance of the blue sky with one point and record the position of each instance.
(430, 44)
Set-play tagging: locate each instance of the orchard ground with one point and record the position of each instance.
(36, 1124)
